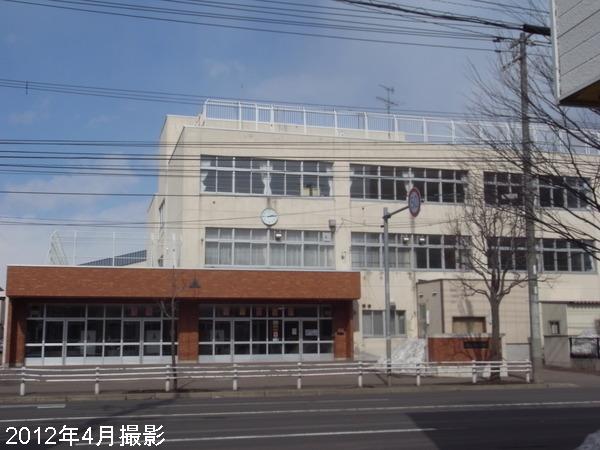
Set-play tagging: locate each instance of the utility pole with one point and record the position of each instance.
(529, 181)
(388, 102)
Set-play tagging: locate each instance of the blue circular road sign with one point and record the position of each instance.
(414, 202)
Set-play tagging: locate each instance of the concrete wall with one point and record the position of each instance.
(556, 351)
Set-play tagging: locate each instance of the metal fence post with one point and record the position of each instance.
(167, 378)
(97, 383)
(528, 373)
(360, 374)
(235, 377)
(418, 374)
(474, 371)
(299, 380)
(22, 387)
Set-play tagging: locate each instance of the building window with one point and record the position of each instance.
(372, 322)
(408, 251)
(92, 332)
(560, 255)
(554, 326)
(269, 248)
(503, 188)
(556, 255)
(393, 183)
(243, 175)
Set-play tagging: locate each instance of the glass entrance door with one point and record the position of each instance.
(151, 340)
(75, 350)
(131, 341)
(241, 339)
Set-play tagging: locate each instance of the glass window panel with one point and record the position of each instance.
(562, 261)
(166, 349)
(291, 349)
(209, 180)
(35, 331)
(310, 348)
(277, 184)
(401, 322)
(293, 255)
(258, 183)
(112, 350)
(35, 310)
(242, 349)
(310, 330)
(460, 193)
(211, 255)
(433, 192)
(294, 235)
(131, 350)
(259, 349)
(259, 254)
(326, 311)
(95, 311)
(520, 260)
(53, 351)
(205, 350)
(242, 182)
(325, 348)
(242, 162)
(356, 187)
(306, 311)
(275, 331)
(310, 186)
(225, 253)
(421, 254)
(387, 189)
(166, 330)
(33, 352)
(435, 258)
(93, 351)
(275, 349)
(367, 323)
(151, 350)
(450, 258)
(576, 262)
(152, 331)
(545, 196)
(75, 332)
(372, 257)
(65, 310)
(241, 330)
(225, 181)
(325, 329)
(587, 262)
(95, 331)
(222, 331)
(131, 331)
(372, 188)
(377, 323)
(401, 191)
(311, 255)
(403, 256)
(75, 351)
(54, 331)
(292, 184)
(277, 254)
(259, 330)
(242, 254)
(325, 186)
(222, 349)
(549, 264)
(448, 192)
(113, 331)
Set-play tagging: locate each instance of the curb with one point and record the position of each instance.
(157, 395)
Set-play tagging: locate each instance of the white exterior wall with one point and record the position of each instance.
(200, 210)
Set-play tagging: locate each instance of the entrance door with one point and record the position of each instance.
(53, 342)
(291, 332)
(310, 336)
(75, 338)
(241, 339)
(222, 340)
(151, 340)
(131, 341)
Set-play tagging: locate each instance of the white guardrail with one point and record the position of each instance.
(236, 372)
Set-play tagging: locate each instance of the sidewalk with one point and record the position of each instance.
(277, 386)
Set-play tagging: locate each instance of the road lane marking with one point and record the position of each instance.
(34, 405)
(56, 406)
(288, 435)
(304, 411)
(186, 405)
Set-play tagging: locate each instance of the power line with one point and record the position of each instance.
(239, 27)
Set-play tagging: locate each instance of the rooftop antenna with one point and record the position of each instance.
(388, 102)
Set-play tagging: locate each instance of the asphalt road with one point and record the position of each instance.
(483, 419)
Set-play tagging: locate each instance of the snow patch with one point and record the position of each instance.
(411, 351)
(592, 442)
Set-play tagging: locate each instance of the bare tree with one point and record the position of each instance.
(496, 258)
(565, 146)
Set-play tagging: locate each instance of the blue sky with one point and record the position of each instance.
(44, 44)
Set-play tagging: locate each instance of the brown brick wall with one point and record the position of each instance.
(453, 349)
(95, 282)
(343, 344)
(188, 332)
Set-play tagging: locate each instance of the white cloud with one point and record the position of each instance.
(30, 116)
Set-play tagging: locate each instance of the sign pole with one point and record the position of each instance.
(414, 205)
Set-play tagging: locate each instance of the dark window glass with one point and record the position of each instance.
(490, 194)
(33, 352)
(324, 189)
(242, 182)
(433, 192)
(35, 329)
(95, 331)
(310, 185)
(277, 184)
(75, 332)
(131, 331)
(356, 187)
(387, 189)
(450, 258)
(435, 258)
(448, 193)
(401, 190)
(54, 331)
(420, 185)
(258, 185)
(209, 180)
(421, 258)
(242, 162)
(549, 261)
(113, 331)
(562, 261)
(225, 181)
(372, 188)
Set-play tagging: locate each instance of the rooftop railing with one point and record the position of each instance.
(372, 125)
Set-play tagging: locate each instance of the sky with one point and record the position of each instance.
(42, 44)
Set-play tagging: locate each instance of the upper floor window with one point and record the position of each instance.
(393, 183)
(243, 175)
(406, 251)
(556, 255)
(503, 188)
(270, 248)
